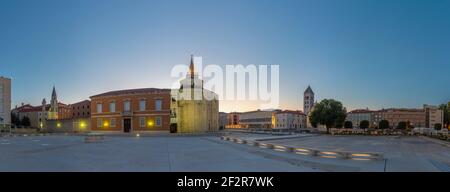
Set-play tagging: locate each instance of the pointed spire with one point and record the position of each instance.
(54, 92)
(191, 66)
(309, 90)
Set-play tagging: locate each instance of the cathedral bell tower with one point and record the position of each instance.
(53, 112)
(308, 100)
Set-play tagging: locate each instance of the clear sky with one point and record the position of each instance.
(365, 53)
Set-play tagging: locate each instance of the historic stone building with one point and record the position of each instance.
(193, 108)
(39, 115)
(233, 121)
(308, 100)
(358, 115)
(415, 117)
(259, 119)
(81, 109)
(134, 110)
(308, 104)
(290, 120)
(434, 116)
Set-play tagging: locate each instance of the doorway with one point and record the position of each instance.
(127, 125)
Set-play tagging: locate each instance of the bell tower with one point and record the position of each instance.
(308, 100)
(53, 112)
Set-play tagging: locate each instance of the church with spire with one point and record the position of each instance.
(53, 111)
(193, 108)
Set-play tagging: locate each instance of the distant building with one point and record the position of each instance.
(308, 100)
(376, 117)
(39, 115)
(29, 111)
(415, 117)
(434, 116)
(233, 121)
(358, 115)
(288, 120)
(223, 120)
(134, 110)
(5, 100)
(194, 109)
(256, 119)
(81, 109)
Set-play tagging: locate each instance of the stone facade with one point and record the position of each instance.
(358, 115)
(233, 121)
(134, 110)
(416, 117)
(292, 120)
(434, 116)
(81, 109)
(259, 119)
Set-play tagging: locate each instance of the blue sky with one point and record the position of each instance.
(365, 53)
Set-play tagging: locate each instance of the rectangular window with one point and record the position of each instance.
(99, 108)
(127, 106)
(158, 121)
(112, 107)
(99, 123)
(113, 122)
(158, 105)
(142, 105)
(142, 122)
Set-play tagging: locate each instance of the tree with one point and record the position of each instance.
(348, 125)
(25, 122)
(364, 124)
(328, 112)
(438, 126)
(383, 124)
(339, 124)
(402, 125)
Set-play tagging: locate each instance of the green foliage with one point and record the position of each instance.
(25, 121)
(402, 125)
(328, 112)
(15, 120)
(383, 124)
(364, 124)
(348, 125)
(446, 110)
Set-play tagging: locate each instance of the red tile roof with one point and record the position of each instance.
(29, 108)
(131, 92)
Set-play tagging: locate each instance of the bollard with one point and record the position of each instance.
(290, 149)
(314, 153)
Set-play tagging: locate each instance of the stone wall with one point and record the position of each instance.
(68, 125)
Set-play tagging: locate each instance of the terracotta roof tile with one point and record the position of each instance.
(131, 92)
